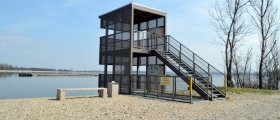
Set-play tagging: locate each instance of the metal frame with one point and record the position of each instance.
(117, 46)
(134, 32)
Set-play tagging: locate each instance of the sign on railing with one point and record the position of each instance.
(165, 80)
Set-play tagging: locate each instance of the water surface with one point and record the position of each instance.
(12, 86)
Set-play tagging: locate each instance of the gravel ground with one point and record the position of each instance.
(239, 106)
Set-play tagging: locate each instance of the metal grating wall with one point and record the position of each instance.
(115, 47)
(117, 43)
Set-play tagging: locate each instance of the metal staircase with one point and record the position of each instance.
(184, 62)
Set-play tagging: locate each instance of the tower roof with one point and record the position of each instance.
(139, 7)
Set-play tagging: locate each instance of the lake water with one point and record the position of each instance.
(12, 86)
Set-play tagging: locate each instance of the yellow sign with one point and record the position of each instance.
(165, 81)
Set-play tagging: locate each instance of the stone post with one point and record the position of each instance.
(103, 93)
(60, 94)
(113, 89)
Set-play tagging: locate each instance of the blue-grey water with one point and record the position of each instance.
(12, 86)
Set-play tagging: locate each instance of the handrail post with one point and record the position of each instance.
(208, 80)
(194, 62)
(158, 85)
(148, 45)
(145, 82)
(169, 43)
(174, 87)
(190, 80)
(165, 54)
(211, 87)
(156, 40)
(180, 52)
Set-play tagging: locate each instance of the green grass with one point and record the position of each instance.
(251, 90)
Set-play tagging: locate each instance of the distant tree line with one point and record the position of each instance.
(233, 21)
(5, 66)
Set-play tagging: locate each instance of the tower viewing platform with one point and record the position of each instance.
(136, 53)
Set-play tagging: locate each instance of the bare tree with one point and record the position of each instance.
(237, 70)
(242, 69)
(265, 16)
(247, 69)
(276, 68)
(231, 28)
(272, 70)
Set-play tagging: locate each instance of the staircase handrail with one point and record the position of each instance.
(166, 42)
(209, 65)
(195, 54)
(158, 36)
(164, 38)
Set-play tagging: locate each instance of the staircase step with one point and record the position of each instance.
(171, 55)
(166, 52)
(205, 84)
(190, 72)
(169, 58)
(183, 64)
(218, 95)
(186, 67)
(196, 76)
(200, 78)
(216, 92)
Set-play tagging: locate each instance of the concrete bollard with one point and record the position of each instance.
(103, 93)
(113, 89)
(60, 94)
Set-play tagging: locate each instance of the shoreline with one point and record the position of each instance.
(127, 107)
(53, 73)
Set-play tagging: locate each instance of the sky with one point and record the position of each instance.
(64, 34)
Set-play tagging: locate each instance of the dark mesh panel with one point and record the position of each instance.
(135, 61)
(143, 60)
(152, 60)
(115, 48)
(143, 26)
(160, 22)
(152, 24)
